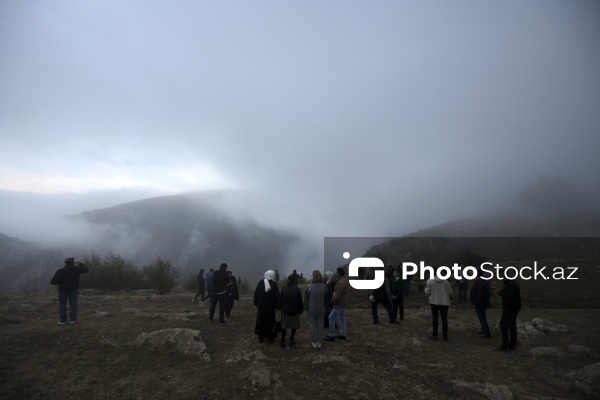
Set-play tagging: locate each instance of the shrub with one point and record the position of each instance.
(162, 276)
(111, 272)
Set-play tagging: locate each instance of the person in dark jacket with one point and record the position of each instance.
(294, 277)
(290, 301)
(219, 284)
(330, 288)
(397, 293)
(67, 279)
(233, 293)
(266, 300)
(380, 295)
(511, 305)
(480, 298)
(201, 286)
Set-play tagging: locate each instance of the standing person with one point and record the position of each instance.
(276, 276)
(290, 301)
(314, 304)
(201, 286)
(266, 300)
(511, 305)
(439, 291)
(480, 298)
(67, 279)
(397, 292)
(462, 284)
(294, 276)
(339, 302)
(330, 288)
(219, 285)
(233, 293)
(380, 295)
(209, 285)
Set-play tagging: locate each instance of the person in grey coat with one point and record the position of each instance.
(314, 305)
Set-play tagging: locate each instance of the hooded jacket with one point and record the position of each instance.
(439, 291)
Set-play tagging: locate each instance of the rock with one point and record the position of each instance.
(487, 390)
(415, 342)
(576, 349)
(545, 352)
(260, 374)
(444, 364)
(547, 326)
(27, 308)
(99, 313)
(587, 379)
(526, 332)
(109, 342)
(188, 341)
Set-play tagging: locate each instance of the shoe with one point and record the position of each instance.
(292, 342)
(432, 337)
(341, 337)
(503, 349)
(329, 339)
(485, 336)
(282, 343)
(512, 347)
(62, 323)
(210, 319)
(375, 322)
(222, 322)
(73, 322)
(270, 340)
(314, 345)
(480, 333)
(319, 345)
(395, 322)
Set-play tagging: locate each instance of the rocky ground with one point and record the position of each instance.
(140, 345)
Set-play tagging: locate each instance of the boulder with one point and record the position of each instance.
(587, 379)
(537, 352)
(188, 341)
(547, 326)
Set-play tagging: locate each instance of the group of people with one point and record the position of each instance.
(324, 301)
(222, 289)
(439, 291)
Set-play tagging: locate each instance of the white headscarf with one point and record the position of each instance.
(269, 276)
(329, 275)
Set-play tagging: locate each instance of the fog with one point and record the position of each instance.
(337, 119)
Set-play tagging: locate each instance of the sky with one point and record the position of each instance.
(345, 118)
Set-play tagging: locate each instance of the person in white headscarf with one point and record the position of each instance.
(266, 300)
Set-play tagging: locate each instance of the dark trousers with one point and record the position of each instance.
(220, 298)
(230, 303)
(388, 306)
(398, 304)
(209, 296)
(436, 311)
(508, 324)
(481, 315)
(72, 296)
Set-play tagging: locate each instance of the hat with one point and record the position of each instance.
(70, 260)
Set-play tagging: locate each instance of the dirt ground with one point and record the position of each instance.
(96, 357)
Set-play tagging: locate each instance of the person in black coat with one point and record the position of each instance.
(201, 286)
(290, 301)
(397, 293)
(219, 284)
(328, 296)
(266, 300)
(67, 279)
(233, 293)
(380, 295)
(480, 298)
(511, 305)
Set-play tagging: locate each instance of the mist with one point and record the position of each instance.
(337, 119)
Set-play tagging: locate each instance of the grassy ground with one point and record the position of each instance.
(95, 358)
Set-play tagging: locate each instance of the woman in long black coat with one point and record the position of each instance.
(266, 300)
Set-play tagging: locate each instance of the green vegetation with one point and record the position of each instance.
(162, 276)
